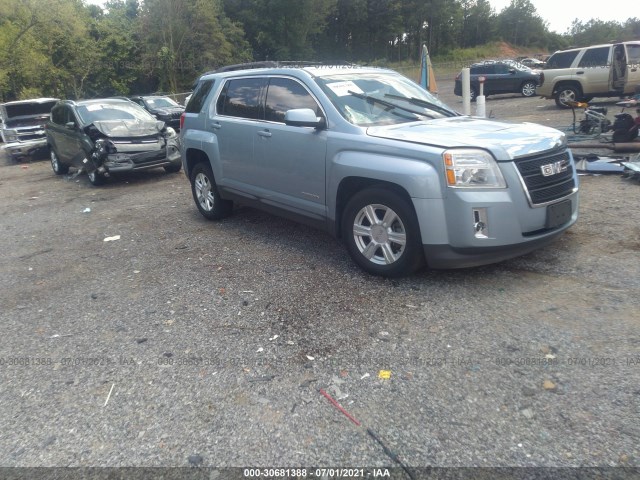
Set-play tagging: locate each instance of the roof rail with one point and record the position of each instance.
(276, 64)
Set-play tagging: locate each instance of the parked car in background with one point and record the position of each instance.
(500, 76)
(533, 63)
(162, 107)
(106, 136)
(580, 74)
(376, 160)
(22, 126)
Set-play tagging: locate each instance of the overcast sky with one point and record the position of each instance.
(560, 13)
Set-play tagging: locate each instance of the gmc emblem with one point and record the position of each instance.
(553, 168)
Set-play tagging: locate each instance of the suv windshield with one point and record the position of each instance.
(366, 99)
(94, 112)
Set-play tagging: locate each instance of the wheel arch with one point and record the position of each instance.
(349, 186)
(568, 83)
(194, 156)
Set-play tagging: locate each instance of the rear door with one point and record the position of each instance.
(239, 112)
(632, 50)
(593, 70)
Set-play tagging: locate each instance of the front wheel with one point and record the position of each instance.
(96, 179)
(173, 168)
(528, 89)
(205, 193)
(567, 94)
(382, 234)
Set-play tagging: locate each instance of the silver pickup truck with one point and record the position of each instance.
(371, 157)
(22, 126)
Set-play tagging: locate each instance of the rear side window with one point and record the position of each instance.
(197, 99)
(595, 57)
(562, 59)
(286, 94)
(633, 54)
(58, 115)
(242, 98)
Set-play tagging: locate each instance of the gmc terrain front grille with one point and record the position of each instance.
(547, 177)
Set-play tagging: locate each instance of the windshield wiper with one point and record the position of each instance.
(424, 103)
(390, 105)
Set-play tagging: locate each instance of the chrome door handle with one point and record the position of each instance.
(264, 133)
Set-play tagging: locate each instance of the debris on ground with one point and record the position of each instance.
(111, 239)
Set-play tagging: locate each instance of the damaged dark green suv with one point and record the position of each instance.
(106, 136)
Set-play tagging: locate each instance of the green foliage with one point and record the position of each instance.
(71, 49)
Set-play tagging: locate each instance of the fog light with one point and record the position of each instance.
(480, 223)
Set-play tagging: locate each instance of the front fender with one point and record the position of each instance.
(417, 177)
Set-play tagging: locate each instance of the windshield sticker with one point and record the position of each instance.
(342, 89)
(93, 108)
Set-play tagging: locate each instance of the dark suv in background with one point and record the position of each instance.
(105, 136)
(162, 107)
(504, 76)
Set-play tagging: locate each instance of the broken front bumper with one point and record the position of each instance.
(127, 162)
(20, 150)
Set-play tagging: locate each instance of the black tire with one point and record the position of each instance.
(96, 179)
(57, 167)
(473, 94)
(567, 93)
(205, 193)
(528, 89)
(374, 250)
(173, 168)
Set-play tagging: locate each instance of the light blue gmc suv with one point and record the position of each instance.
(371, 157)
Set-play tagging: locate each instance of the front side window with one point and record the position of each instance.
(242, 97)
(595, 57)
(286, 94)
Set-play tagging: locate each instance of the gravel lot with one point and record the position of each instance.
(187, 342)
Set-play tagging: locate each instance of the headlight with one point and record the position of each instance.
(10, 136)
(170, 132)
(472, 169)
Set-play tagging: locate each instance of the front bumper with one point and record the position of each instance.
(20, 150)
(127, 162)
(512, 226)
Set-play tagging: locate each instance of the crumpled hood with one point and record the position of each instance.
(128, 128)
(506, 140)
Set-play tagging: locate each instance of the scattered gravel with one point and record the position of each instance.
(187, 342)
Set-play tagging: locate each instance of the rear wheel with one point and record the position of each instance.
(567, 93)
(473, 94)
(382, 234)
(205, 193)
(57, 167)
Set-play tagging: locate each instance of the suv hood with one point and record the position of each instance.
(167, 110)
(508, 140)
(128, 128)
(27, 121)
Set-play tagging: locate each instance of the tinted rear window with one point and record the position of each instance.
(595, 57)
(199, 95)
(562, 59)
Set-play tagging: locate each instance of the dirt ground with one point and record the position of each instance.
(186, 342)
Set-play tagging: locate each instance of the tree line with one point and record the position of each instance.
(70, 49)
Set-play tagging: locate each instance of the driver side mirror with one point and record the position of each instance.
(303, 117)
(70, 125)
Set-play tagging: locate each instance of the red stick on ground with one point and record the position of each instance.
(339, 407)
